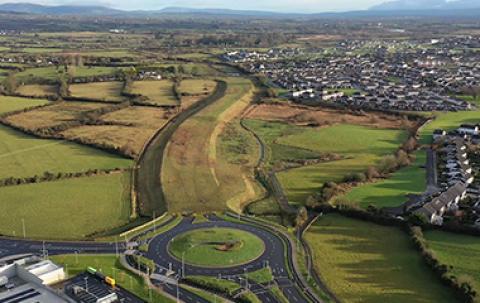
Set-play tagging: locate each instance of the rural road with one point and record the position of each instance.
(148, 174)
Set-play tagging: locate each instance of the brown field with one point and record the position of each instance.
(103, 91)
(35, 90)
(135, 127)
(194, 90)
(320, 38)
(53, 115)
(213, 167)
(156, 92)
(139, 116)
(301, 116)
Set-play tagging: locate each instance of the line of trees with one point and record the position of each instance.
(462, 285)
(49, 176)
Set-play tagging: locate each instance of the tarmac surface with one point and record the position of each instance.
(274, 256)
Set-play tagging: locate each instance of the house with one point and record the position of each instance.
(447, 201)
(468, 129)
(439, 134)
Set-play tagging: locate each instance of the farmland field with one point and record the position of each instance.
(462, 252)
(41, 50)
(361, 146)
(195, 69)
(199, 158)
(135, 127)
(193, 90)
(392, 192)
(25, 156)
(10, 104)
(53, 115)
(156, 92)
(276, 152)
(37, 90)
(365, 262)
(103, 91)
(51, 73)
(64, 209)
(88, 71)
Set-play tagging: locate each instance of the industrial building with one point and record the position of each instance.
(26, 280)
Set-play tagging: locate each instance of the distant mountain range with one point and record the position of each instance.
(29, 8)
(470, 8)
(427, 5)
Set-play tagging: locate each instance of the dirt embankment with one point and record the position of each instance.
(300, 115)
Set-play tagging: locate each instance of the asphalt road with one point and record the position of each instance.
(431, 167)
(10, 247)
(273, 256)
(148, 174)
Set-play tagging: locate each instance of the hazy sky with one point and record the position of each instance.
(271, 5)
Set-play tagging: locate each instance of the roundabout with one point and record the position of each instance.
(216, 247)
(227, 249)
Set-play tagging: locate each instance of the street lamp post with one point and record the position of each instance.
(178, 293)
(183, 264)
(23, 228)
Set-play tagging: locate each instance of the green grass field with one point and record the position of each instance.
(41, 50)
(36, 90)
(51, 73)
(205, 170)
(66, 209)
(104, 91)
(392, 192)
(462, 252)
(360, 146)
(11, 104)
(213, 242)
(269, 132)
(195, 69)
(448, 121)
(196, 86)
(156, 92)
(110, 266)
(365, 262)
(25, 156)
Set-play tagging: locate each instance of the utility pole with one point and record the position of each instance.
(298, 239)
(178, 293)
(183, 265)
(154, 225)
(246, 277)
